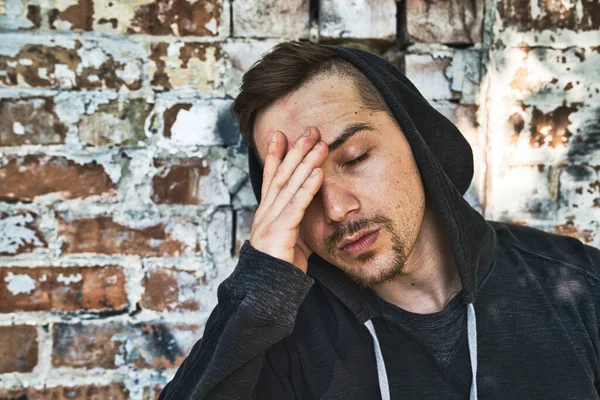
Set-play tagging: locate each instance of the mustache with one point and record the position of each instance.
(331, 243)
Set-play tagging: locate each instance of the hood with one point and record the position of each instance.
(445, 161)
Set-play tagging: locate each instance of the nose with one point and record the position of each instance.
(338, 200)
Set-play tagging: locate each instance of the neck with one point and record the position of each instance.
(431, 278)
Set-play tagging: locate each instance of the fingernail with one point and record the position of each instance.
(274, 137)
(306, 132)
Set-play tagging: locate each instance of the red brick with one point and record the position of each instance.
(41, 70)
(188, 64)
(158, 17)
(104, 236)
(178, 181)
(170, 116)
(79, 16)
(450, 21)
(178, 17)
(115, 391)
(30, 121)
(21, 233)
(33, 15)
(553, 15)
(171, 290)
(19, 348)
(62, 289)
(118, 122)
(28, 177)
(112, 345)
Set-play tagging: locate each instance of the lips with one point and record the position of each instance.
(356, 237)
(360, 245)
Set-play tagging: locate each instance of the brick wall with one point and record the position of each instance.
(123, 192)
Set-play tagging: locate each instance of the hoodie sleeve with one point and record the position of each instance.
(593, 255)
(257, 307)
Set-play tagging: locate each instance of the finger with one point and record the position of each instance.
(275, 153)
(296, 208)
(312, 160)
(289, 164)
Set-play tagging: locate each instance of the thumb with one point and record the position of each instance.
(307, 251)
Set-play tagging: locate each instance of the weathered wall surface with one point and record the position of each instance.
(123, 192)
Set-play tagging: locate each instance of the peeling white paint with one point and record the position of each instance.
(212, 26)
(64, 76)
(184, 232)
(18, 128)
(67, 280)
(17, 284)
(131, 73)
(244, 53)
(154, 243)
(357, 19)
(173, 51)
(212, 188)
(62, 25)
(14, 233)
(199, 125)
(219, 233)
(188, 125)
(141, 166)
(187, 288)
(91, 58)
(111, 279)
(43, 72)
(425, 72)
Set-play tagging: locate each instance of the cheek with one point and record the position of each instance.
(390, 182)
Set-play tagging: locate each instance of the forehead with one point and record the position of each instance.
(326, 102)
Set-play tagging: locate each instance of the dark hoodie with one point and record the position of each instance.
(533, 302)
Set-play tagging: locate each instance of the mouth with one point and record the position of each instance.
(359, 242)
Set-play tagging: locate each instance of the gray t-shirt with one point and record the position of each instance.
(439, 332)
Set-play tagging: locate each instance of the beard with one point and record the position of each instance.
(377, 274)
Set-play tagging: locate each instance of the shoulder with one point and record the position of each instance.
(550, 249)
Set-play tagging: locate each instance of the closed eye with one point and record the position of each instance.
(356, 160)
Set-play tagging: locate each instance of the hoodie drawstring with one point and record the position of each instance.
(472, 338)
(384, 386)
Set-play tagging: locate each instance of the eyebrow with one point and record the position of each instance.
(348, 132)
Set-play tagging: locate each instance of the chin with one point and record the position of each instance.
(365, 268)
(375, 270)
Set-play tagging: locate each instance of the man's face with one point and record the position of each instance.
(383, 190)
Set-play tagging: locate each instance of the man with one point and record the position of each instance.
(367, 275)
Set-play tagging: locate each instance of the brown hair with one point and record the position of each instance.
(284, 69)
